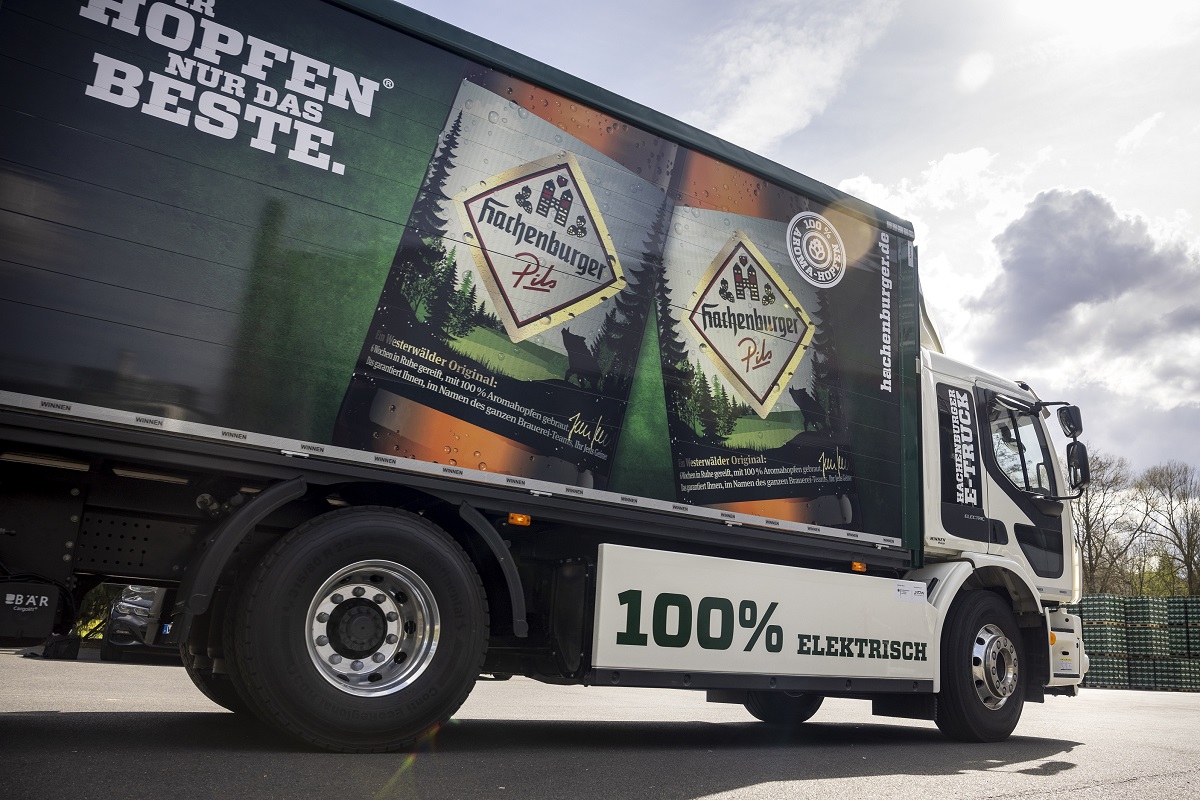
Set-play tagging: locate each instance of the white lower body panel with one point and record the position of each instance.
(685, 613)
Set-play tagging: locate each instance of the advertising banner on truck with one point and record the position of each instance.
(284, 220)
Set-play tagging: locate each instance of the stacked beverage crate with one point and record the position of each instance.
(1141, 642)
(1190, 666)
(1104, 640)
(1183, 633)
(1177, 622)
(1192, 671)
(1174, 673)
(1149, 644)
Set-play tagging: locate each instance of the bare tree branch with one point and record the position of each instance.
(1169, 497)
(1108, 522)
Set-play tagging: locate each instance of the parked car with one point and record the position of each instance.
(133, 624)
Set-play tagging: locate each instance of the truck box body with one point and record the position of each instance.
(397, 358)
(337, 239)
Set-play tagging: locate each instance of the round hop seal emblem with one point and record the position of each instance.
(816, 249)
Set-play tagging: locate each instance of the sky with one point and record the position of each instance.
(1047, 153)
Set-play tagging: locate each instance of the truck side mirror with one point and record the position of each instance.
(1079, 472)
(1071, 421)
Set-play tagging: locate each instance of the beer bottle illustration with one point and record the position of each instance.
(762, 369)
(506, 335)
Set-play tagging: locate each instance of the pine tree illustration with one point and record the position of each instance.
(710, 420)
(602, 349)
(684, 400)
(441, 300)
(726, 411)
(462, 307)
(826, 371)
(697, 391)
(674, 351)
(632, 306)
(474, 305)
(426, 218)
(422, 253)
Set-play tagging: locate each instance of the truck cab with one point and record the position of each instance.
(994, 485)
(994, 496)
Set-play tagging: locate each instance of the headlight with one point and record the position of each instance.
(129, 608)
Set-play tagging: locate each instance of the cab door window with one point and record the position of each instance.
(1020, 450)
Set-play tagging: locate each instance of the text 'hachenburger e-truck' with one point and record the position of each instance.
(398, 358)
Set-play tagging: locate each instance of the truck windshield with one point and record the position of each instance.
(1021, 451)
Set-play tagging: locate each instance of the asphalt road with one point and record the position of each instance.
(88, 729)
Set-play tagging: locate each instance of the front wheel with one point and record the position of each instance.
(781, 708)
(983, 675)
(360, 631)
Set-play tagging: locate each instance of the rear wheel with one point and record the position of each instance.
(360, 631)
(782, 708)
(983, 677)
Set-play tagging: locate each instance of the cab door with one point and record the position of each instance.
(1022, 477)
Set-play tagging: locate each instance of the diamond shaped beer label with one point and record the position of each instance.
(750, 324)
(542, 248)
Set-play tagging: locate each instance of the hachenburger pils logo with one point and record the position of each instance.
(541, 246)
(816, 249)
(749, 323)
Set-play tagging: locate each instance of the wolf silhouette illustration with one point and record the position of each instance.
(815, 417)
(583, 365)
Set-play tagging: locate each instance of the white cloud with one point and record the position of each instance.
(1179, 227)
(1092, 293)
(1102, 29)
(1121, 424)
(1132, 140)
(957, 205)
(780, 63)
(1088, 304)
(976, 71)
(968, 181)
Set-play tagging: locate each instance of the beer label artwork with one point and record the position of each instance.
(750, 324)
(542, 249)
(570, 308)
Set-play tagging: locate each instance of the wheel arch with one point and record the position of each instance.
(1009, 584)
(948, 580)
(463, 522)
(472, 530)
(1023, 598)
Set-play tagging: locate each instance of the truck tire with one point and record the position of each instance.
(218, 688)
(782, 708)
(983, 679)
(360, 631)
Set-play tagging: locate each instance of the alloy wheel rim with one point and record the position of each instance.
(372, 628)
(994, 666)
